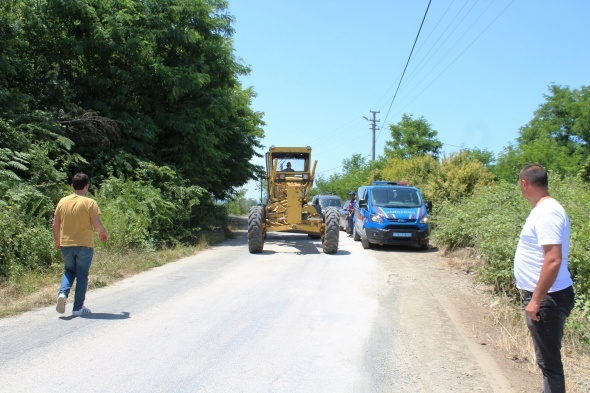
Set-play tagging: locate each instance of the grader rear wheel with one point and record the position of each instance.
(331, 233)
(255, 229)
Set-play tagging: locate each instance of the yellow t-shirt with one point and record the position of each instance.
(76, 228)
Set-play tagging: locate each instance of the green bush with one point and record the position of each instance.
(457, 177)
(134, 213)
(491, 221)
(26, 242)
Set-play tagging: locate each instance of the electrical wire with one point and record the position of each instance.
(408, 61)
(460, 54)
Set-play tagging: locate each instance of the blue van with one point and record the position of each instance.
(391, 213)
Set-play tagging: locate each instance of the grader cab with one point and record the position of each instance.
(290, 175)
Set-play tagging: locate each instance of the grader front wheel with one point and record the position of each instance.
(332, 231)
(255, 229)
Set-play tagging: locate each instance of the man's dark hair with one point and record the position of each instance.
(535, 174)
(79, 181)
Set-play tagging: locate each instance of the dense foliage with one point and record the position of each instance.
(490, 222)
(558, 136)
(129, 80)
(143, 96)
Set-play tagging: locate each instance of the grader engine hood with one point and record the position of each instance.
(294, 206)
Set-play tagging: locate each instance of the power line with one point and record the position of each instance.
(408, 61)
(462, 52)
(427, 58)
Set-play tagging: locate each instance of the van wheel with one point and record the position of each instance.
(424, 246)
(364, 241)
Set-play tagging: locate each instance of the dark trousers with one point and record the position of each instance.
(547, 335)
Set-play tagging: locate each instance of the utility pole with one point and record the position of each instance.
(373, 127)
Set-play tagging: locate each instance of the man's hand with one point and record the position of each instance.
(97, 224)
(532, 310)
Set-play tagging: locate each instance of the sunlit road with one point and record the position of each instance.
(290, 319)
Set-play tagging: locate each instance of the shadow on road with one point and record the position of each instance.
(99, 315)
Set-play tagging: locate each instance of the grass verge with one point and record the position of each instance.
(26, 291)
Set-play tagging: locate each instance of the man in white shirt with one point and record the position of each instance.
(541, 271)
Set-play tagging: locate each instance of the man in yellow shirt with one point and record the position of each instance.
(75, 218)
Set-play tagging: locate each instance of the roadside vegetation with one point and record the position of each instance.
(144, 97)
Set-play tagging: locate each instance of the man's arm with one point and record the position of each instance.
(97, 224)
(549, 271)
(56, 226)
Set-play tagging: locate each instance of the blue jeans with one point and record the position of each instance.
(77, 266)
(351, 224)
(547, 335)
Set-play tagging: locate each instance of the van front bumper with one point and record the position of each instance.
(398, 236)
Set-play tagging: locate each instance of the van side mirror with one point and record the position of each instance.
(363, 203)
(428, 206)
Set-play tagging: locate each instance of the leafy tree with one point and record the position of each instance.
(557, 137)
(544, 151)
(563, 118)
(129, 81)
(412, 137)
(484, 156)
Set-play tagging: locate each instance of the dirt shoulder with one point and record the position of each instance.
(437, 298)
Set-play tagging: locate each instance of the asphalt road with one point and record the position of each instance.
(290, 319)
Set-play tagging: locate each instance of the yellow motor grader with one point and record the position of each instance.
(290, 177)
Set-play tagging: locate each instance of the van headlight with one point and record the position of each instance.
(424, 220)
(376, 218)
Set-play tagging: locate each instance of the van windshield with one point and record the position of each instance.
(395, 197)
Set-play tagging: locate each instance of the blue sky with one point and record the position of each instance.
(477, 74)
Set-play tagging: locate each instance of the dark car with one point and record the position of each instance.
(325, 201)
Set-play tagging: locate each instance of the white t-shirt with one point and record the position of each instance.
(547, 223)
